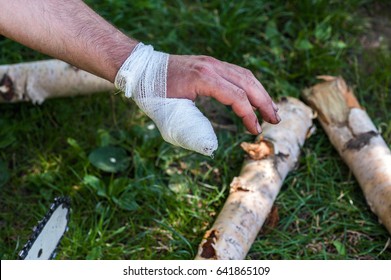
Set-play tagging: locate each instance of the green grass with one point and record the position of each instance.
(161, 205)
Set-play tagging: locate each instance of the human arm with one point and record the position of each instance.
(71, 31)
(67, 30)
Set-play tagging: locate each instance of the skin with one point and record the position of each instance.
(71, 31)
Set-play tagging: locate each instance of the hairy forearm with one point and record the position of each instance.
(68, 30)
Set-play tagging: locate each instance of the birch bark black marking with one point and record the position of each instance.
(282, 156)
(360, 141)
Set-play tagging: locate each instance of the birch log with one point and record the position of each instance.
(357, 140)
(252, 194)
(37, 81)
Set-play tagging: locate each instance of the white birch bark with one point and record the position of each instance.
(254, 191)
(38, 81)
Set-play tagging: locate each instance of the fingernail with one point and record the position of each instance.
(278, 117)
(259, 128)
(275, 106)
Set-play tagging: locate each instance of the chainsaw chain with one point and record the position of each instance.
(58, 201)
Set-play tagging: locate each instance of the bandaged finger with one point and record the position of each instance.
(143, 77)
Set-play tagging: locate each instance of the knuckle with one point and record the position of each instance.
(248, 73)
(250, 81)
(244, 112)
(202, 69)
(249, 77)
(244, 71)
(208, 59)
(240, 94)
(251, 118)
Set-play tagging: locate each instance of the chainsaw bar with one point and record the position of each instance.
(48, 233)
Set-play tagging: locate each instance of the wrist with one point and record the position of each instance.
(116, 56)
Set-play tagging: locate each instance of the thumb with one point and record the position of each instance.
(182, 124)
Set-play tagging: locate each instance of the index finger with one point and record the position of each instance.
(257, 95)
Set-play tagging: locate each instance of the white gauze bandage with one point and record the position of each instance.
(143, 77)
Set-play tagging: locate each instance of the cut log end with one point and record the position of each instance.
(7, 88)
(331, 99)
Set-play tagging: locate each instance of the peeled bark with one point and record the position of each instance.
(37, 81)
(254, 191)
(357, 140)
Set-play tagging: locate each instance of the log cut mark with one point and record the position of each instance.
(208, 252)
(7, 88)
(236, 186)
(259, 150)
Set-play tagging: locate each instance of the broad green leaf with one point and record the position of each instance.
(323, 32)
(105, 138)
(109, 159)
(120, 185)
(127, 201)
(340, 247)
(303, 44)
(338, 44)
(271, 30)
(96, 184)
(75, 145)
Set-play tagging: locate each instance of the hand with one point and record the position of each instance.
(190, 76)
